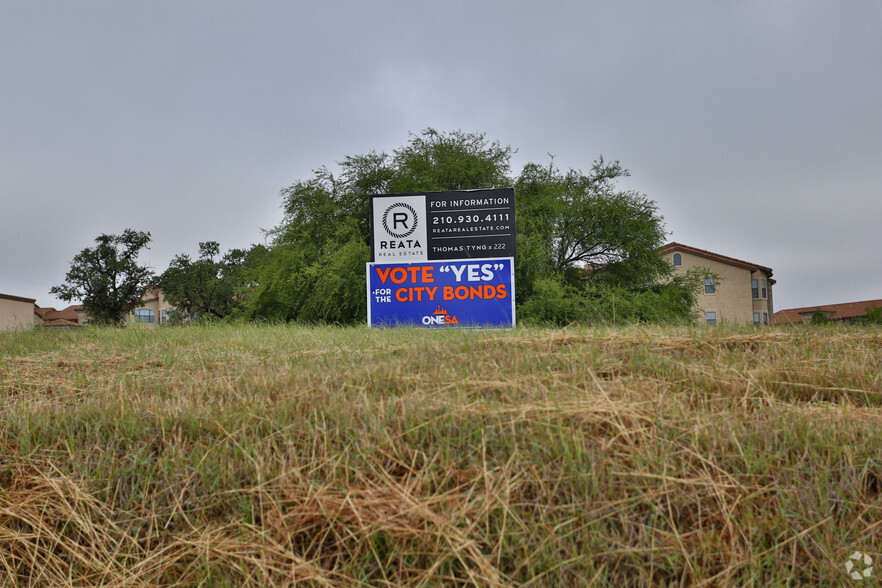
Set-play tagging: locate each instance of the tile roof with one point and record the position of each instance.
(673, 246)
(61, 323)
(151, 294)
(842, 311)
(68, 314)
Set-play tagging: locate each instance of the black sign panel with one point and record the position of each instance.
(458, 224)
(472, 223)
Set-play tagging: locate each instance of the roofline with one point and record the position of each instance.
(18, 298)
(872, 303)
(61, 323)
(715, 256)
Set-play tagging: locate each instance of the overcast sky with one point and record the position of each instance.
(756, 126)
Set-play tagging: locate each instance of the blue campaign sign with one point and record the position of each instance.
(440, 294)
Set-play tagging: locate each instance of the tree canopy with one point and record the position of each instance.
(579, 237)
(315, 268)
(873, 316)
(576, 221)
(210, 286)
(107, 278)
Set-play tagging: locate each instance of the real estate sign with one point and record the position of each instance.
(442, 259)
(443, 225)
(462, 293)
(398, 227)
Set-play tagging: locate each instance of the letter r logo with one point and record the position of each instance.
(404, 220)
(399, 217)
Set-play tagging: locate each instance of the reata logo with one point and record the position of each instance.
(403, 219)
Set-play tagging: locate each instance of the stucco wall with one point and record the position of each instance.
(733, 300)
(155, 301)
(16, 313)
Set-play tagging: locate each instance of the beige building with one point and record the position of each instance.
(154, 310)
(741, 293)
(17, 313)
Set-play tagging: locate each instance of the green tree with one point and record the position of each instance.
(210, 286)
(582, 227)
(107, 278)
(556, 302)
(819, 317)
(578, 233)
(873, 316)
(315, 267)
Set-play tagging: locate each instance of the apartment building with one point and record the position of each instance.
(17, 312)
(741, 292)
(154, 309)
(844, 312)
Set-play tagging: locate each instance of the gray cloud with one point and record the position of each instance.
(754, 125)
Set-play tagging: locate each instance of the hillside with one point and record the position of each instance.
(268, 455)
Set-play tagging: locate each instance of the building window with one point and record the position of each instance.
(144, 315)
(164, 317)
(765, 318)
(678, 259)
(756, 319)
(764, 288)
(754, 288)
(711, 317)
(709, 287)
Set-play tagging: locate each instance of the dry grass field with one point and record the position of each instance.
(280, 455)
